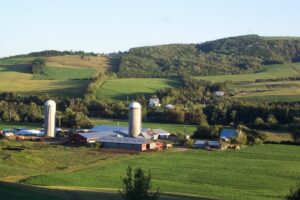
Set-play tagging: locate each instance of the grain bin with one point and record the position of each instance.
(49, 118)
(135, 119)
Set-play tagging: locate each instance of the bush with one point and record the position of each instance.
(136, 186)
(294, 194)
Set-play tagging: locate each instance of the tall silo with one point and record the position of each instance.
(49, 118)
(135, 119)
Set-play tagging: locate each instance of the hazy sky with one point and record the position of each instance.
(113, 25)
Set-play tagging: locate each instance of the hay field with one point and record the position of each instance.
(121, 89)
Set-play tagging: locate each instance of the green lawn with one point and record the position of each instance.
(267, 72)
(175, 128)
(120, 89)
(259, 172)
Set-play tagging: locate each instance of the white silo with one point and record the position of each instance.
(135, 119)
(49, 118)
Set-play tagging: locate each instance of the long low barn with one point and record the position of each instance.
(109, 140)
(136, 144)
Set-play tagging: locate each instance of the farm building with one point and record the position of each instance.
(228, 134)
(23, 131)
(207, 144)
(169, 107)
(160, 134)
(219, 93)
(127, 143)
(154, 102)
(132, 137)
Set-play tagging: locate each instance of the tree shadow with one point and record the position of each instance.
(21, 68)
(18, 191)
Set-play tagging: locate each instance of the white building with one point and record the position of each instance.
(154, 102)
(169, 106)
(219, 93)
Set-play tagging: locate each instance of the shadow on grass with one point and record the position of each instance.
(21, 68)
(15, 191)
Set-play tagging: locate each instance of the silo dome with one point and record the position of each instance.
(135, 119)
(49, 118)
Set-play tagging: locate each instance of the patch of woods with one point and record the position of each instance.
(38, 66)
(225, 56)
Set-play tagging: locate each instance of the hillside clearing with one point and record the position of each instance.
(100, 63)
(266, 72)
(121, 89)
(58, 79)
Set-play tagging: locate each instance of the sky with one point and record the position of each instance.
(105, 26)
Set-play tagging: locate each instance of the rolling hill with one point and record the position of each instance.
(225, 56)
(237, 59)
(64, 75)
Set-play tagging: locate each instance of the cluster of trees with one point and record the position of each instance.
(48, 53)
(17, 108)
(38, 66)
(224, 56)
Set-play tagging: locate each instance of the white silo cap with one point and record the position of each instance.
(135, 104)
(50, 102)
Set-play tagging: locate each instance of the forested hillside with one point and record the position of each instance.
(225, 56)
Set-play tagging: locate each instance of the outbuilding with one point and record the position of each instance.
(207, 144)
(228, 134)
(127, 143)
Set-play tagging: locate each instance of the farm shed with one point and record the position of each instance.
(228, 134)
(219, 93)
(160, 134)
(154, 102)
(127, 143)
(207, 144)
(107, 130)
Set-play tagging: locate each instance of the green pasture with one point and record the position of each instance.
(259, 172)
(276, 91)
(266, 72)
(174, 128)
(121, 89)
(60, 73)
(15, 76)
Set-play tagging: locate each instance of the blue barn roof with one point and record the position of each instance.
(228, 133)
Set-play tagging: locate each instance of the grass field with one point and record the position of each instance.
(174, 128)
(100, 63)
(8, 125)
(65, 73)
(259, 172)
(13, 191)
(266, 72)
(58, 79)
(120, 89)
(286, 91)
(266, 91)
